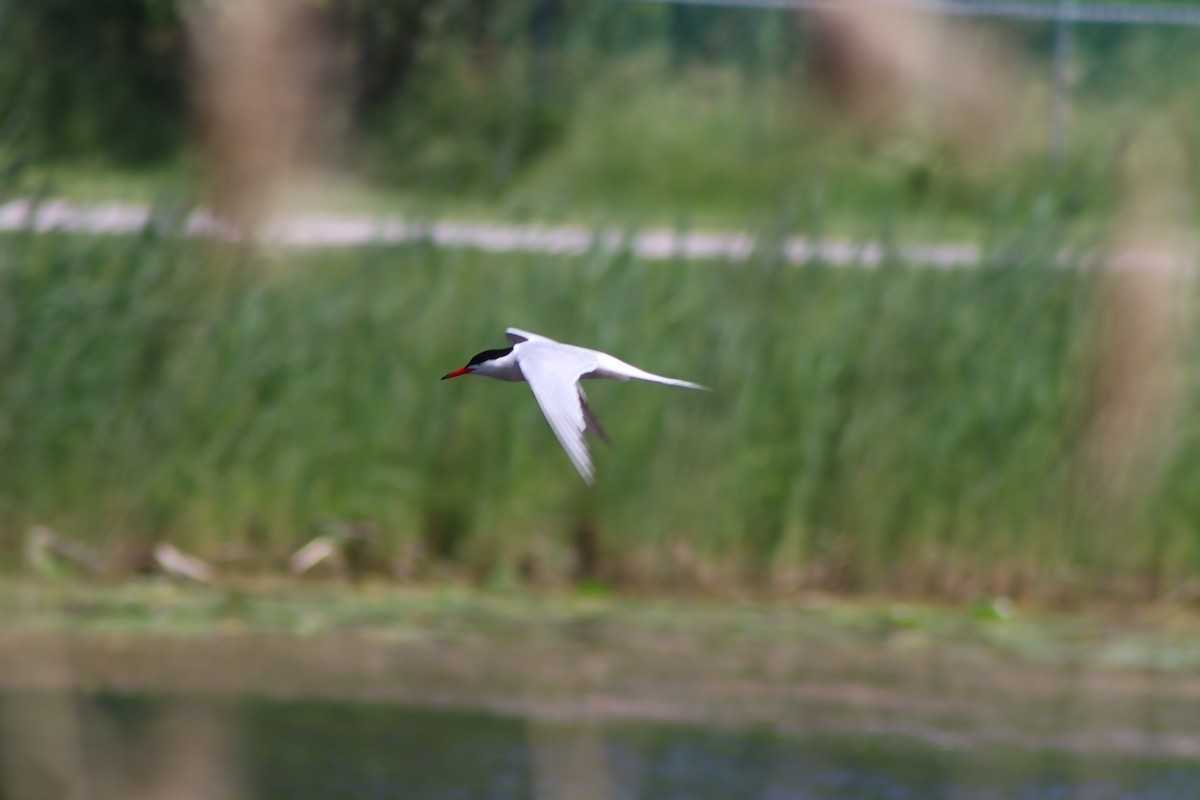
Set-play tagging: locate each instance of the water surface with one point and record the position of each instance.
(124, 744)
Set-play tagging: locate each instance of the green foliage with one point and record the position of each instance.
(731, 148)
(897, 428)
(612, 109)
(452, 133)
(97, 78)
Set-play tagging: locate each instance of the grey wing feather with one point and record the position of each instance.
(516, 336)
(553, 375)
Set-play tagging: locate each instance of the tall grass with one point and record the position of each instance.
(900, 428)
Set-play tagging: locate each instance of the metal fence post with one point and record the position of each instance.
(1060, 100)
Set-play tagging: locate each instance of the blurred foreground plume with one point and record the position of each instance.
(1144, 314)
(42, 742)
(46, 736)
(264, 73)
(190, 755)
(886, 67)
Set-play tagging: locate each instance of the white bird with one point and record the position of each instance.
(553, 371)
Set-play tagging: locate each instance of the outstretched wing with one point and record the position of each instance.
(553, 373)
(590, 420)
(516, 336)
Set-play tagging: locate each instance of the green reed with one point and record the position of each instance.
(900, 428)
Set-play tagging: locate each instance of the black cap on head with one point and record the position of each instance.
(488, 355)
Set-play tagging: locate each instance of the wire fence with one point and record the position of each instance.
(1065, 15)
(1069, 11)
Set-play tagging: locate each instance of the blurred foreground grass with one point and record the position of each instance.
(900, 429)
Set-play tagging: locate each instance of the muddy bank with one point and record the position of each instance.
(614, 662)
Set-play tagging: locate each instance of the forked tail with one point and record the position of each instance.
(611, 367)
(650, 376)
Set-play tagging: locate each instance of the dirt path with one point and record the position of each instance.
(326, 230)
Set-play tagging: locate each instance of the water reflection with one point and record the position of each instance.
(111, 745)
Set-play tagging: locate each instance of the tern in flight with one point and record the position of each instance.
(553, 371)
